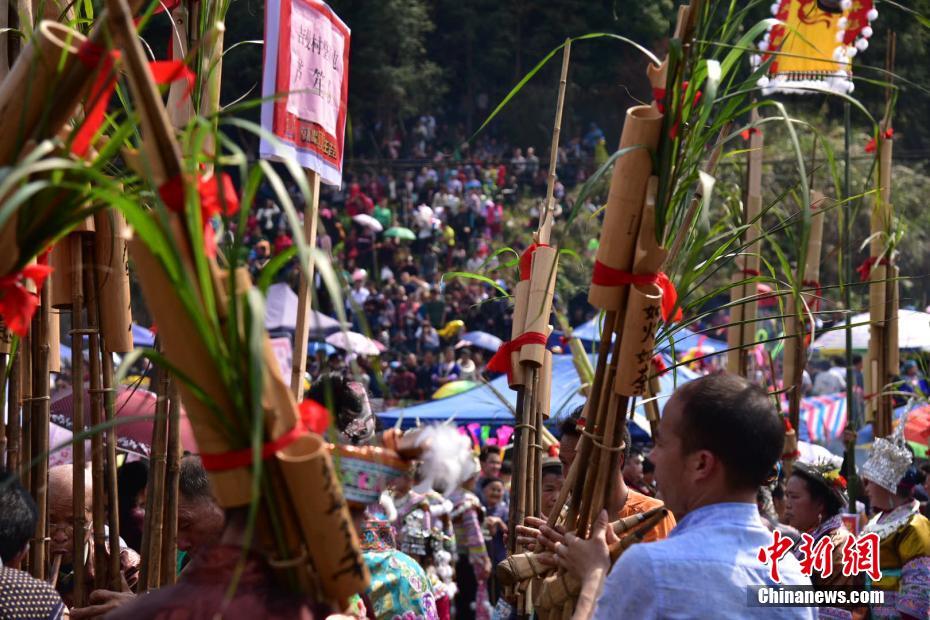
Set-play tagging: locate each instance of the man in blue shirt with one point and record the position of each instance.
(718, 440)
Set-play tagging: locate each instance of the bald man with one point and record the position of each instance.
(61, 532)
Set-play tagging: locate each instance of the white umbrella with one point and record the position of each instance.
(368, 222)
(913, 333)
(355, 342)
(812, 454)
(483, 340)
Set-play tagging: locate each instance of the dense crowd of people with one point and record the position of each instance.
(394, 231)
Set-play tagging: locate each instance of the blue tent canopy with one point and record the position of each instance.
(484, 404)
(682, 338)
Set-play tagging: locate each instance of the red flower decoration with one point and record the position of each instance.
(315, 417)
(871, 146)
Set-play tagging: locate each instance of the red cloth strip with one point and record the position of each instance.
(871, 146)
(608, 276)
(217, 197)
(526, 260)
(752, 273)
(234, 459)
(865, 269)
(501, 360)
(94, 56)
(17, 303)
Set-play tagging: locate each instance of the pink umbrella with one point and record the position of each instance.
(135, 411)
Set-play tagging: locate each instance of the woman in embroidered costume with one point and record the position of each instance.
(904, 533)
(474, 566)
(815, 499)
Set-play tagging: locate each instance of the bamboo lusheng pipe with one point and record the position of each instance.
(532, 307)
(180, 107)
(96, 415)
(629, 540)
(77, 381)
(112, 495)
(14, 429)
(743, 302)
(25, 382)
(40, 428)
(111, 257)
(795, 347)
(150, 571)
(54, 339)
(641, 312)
(623, 211)
(172, 476)
(880, 294)
(54, 570)
(4, 362)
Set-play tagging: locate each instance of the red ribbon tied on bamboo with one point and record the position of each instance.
(865, 269)
(501, 362)
(17, 303)
(313, 417)
(608, 276)
(871, 146)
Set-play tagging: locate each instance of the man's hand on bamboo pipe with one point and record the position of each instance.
(580, 557)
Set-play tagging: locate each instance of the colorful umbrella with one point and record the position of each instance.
(400, 232)
(454, 387)
(132, 435)
(363, 219)
(917, 429)
(355, 342)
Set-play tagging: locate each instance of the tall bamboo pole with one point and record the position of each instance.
(150, 572)
(77, 383)
(305, 288)
(112, 495)
(25, 403)
(172, 477)
(4, 382)
(743, 303)
(14, 418)
(40, 426)
(96, 415)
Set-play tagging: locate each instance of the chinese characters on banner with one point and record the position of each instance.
(305, 85)
(860, 555)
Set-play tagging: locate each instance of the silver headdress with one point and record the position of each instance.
(889, 459)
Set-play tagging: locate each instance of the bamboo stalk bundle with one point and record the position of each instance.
(39, 412)
(796, 329)
(314, 535)
(78, 427)
(532, 308)
(98, 516)
(743, 302)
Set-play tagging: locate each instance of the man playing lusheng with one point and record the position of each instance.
(718, 440)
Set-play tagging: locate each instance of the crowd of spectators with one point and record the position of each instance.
(454, 204)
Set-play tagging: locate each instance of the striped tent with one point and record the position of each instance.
(822, 419)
